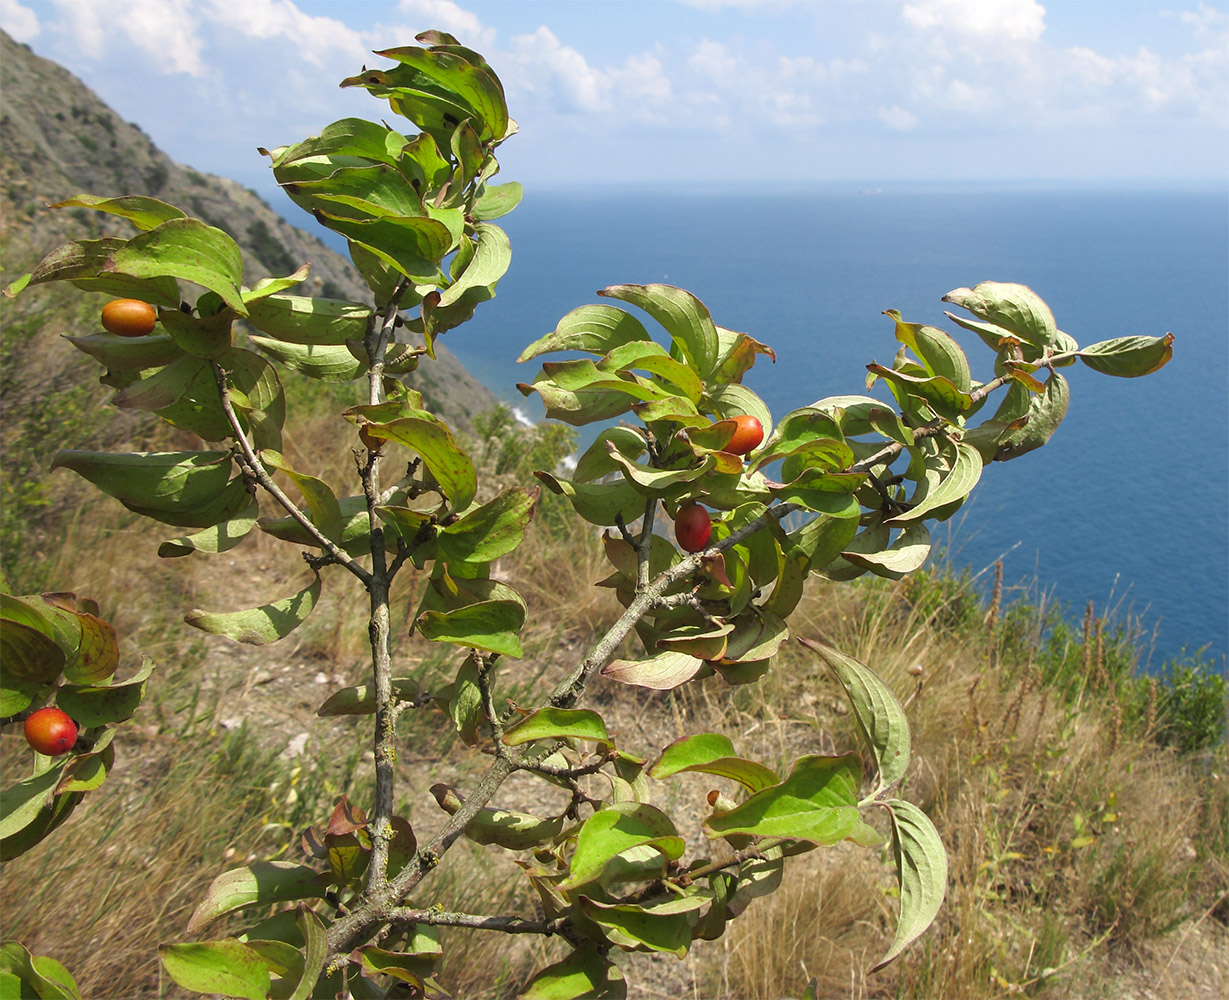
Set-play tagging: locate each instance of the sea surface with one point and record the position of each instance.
(1127, 505)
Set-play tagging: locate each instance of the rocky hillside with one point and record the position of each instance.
(58, 139)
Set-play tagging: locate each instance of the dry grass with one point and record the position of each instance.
(1075, 844)
(1070, 842)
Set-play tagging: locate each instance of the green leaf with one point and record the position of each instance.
(219, 538)
(497, 200)
(86, 771)
(1015, 308)
(78, 259)
(128, 353)
(487, 625)
(186, 249)
(14, 288)
(314, 954)
(586, 972)
(144, 213)
(736, 355)
(557, 723)
(659, 482)
(89, 643)
(602, 400)
(321, 500)
(712, 753)
(491, 530)
(28, 646)
(708, 642)
(258, 884)
(412, 245)
(661, 672)
(259, 402)
(272, 286)
(596, 329)
(102, 704)
(356, 192)
(757, 635)
(166, 481)
(937, 391)
(1129, 357)
(651, 357)
(449, 463)
(297, 319)
(659, 925)
(437, 88)
(638, 829)
(227, 966)
(881, 718)
(936, 350)
(161, 388)
(513, 831)
(1041, 419)
(40, 826)
(906, 554)
(599, 503)
(822, 539)
(816, 803)
(921, 866)
(21, 803)
(683, 316)
(361, 699)
(491, 259)
(596, 460)
(33, 975)
(956, 485)
(327, 363)
(262, 625)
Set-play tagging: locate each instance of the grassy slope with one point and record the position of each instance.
(1079, 836)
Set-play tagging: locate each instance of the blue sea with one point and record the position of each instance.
(1127, 505)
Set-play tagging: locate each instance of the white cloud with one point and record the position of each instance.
(985, 20)
(20, 22)
(163, 31)
(711, 60)
(712, 5)
(316, 39)
(562, 79)
(444, 15)
(551, 69)
(1205, 19)
(897, 118)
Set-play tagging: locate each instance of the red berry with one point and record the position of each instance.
(692, 528)
(749, 434)
(129, 317)
(51, 732)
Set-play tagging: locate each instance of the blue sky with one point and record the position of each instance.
(738, 92)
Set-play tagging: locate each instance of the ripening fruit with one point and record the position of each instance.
(747, 437)
(692, 528)
(51, 732)
(129, 317)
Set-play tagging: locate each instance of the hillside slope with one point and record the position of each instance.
(58, 139)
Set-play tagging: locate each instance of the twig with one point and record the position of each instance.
(508, 925)
(252, 467)
(379, 626)
(570, 772)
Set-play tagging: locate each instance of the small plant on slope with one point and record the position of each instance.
(861, 477)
